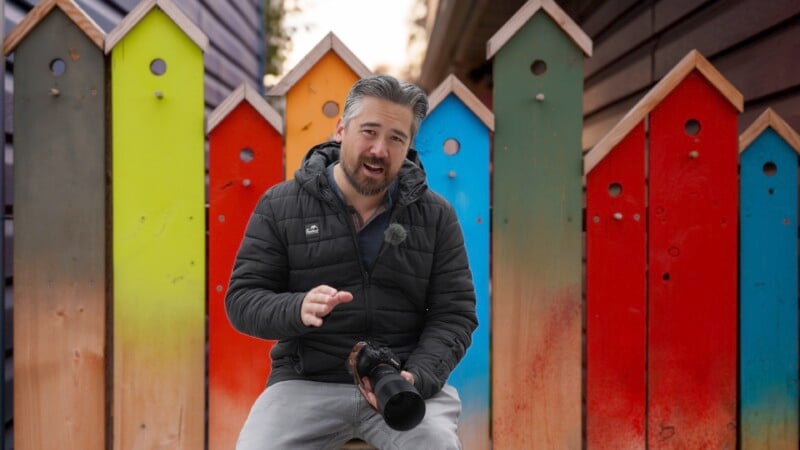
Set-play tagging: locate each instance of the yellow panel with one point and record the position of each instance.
(306, 124)
(158, 239)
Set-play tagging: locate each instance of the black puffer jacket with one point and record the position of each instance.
(418, 298)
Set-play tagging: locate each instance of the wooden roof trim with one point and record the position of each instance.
(452, 85)
(692, 61)
(521, 17)
(245, 92)
(40, 11)
(328, 43)
(170, 9)
(771, 119)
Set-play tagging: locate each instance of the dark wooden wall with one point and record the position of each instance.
(235, 54)
(753, 43)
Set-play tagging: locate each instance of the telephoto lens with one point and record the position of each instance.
(399, 402)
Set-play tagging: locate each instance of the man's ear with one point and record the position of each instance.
(339, 131)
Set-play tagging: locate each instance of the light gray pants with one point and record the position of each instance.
(312, 415)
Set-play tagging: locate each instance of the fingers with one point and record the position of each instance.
(408, 376)
(319, 302)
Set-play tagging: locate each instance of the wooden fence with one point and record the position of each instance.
(687, 336)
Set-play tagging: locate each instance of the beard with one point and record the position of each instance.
(364, 185)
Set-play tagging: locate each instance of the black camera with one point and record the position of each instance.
(399, 401)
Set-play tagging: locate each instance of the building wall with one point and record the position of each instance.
(235, 54)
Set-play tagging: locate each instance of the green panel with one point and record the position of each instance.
(159, 238)
(59, 239)
(537, 269)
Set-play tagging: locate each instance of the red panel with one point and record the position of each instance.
(693, 270)
(238, 365)
(616, 298)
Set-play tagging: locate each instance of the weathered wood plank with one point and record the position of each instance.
(159, 239)
(60, 240)
(693, 253)
(616, 298)
(238, 365)
(768, 293)
(537, 241)
(463, 178)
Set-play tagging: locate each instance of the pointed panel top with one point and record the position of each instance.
(691, 62)
(328, 43)
(452, 85)
(40, 11)
(170, 9)
(245, 92)
(771, 119)
(521, 17)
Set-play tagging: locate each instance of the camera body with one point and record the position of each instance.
(399, 401)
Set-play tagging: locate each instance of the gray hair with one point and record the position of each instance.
(387, 87)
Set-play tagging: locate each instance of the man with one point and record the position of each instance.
(355, 248)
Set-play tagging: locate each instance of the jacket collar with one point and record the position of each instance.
(311, 175)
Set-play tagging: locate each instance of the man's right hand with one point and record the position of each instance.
(319, 302)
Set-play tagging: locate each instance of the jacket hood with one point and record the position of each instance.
(311, 175)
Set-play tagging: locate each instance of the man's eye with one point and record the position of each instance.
(398, 139)
(369, 132)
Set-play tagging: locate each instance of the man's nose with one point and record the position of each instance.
(379, 149)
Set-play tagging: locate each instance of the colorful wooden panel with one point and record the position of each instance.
(313, 106)
(537, 241)
(463, 179)
(693, 232)
(616, 307)
(59, 238)
(246, 158)
(159, 238)
(768, 290)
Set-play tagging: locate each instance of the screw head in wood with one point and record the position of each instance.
(451, 174)
(159, 95)
(618, 216)
(540, 97)
(246, 182)
(54, 92)
(694, 154)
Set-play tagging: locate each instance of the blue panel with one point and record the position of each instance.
(468, 191)
(768, 291)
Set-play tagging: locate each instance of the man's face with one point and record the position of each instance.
(374, 144)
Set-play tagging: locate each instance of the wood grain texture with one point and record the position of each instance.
(329, 43)
(524, 14)
(537, 241)
(159, 237)
(306, 124)
(143, 9)
(38, 13)
(691, 62)
(59, 252)
(238, 365)
(768, 292)
(463, 179)
(693, 253)
(452, 85)
(719, 27)
(616, 294)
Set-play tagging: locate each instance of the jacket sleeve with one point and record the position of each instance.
(450, 318)
(257, 303)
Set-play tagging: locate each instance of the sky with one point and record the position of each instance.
(376, 31)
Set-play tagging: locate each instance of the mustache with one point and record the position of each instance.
(372, 161)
